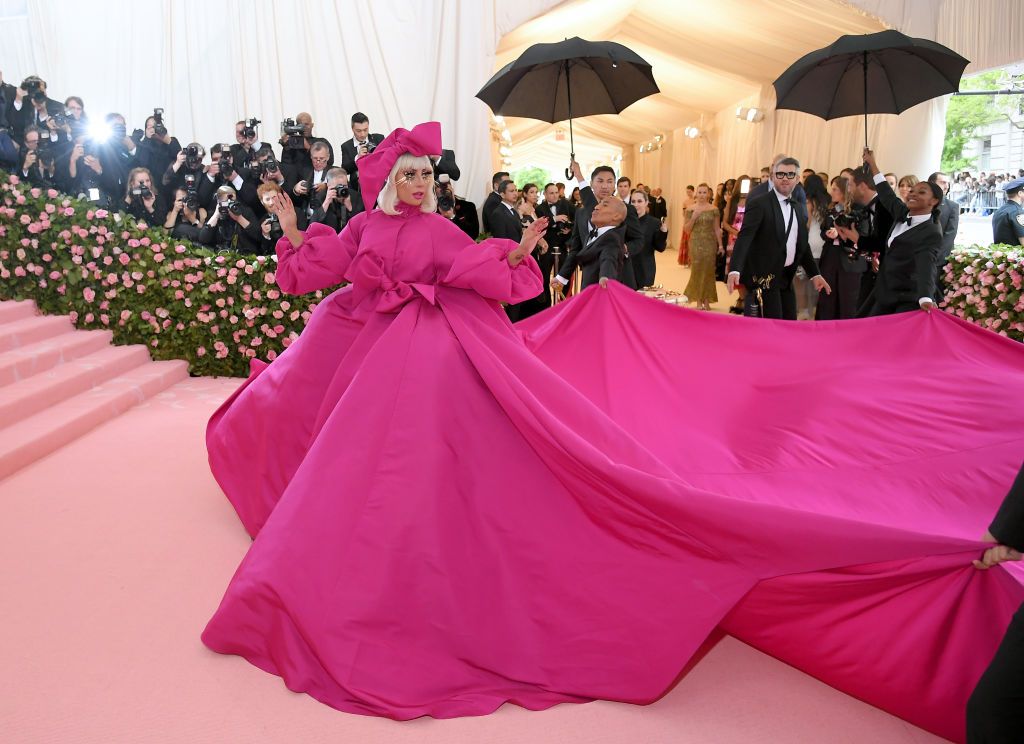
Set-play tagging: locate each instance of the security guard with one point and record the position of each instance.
(1008, 221)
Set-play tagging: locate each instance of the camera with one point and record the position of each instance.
(341, 191)
(249, 130)
(857, 218)
(141, 192)
(231, 205)
(296, 134)
(226, 163)
(269, 167)
(275, 227)
(31, 84)
(191, 192)
(61, 118)
(158, 123)
(193, 157)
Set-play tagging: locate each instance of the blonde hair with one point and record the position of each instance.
(387, 200)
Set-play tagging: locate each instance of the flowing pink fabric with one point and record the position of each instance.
(451, 513)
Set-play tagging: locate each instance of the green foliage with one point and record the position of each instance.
(531, 174)
(965, 115)
(985, 285)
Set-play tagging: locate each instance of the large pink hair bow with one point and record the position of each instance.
(422, 139)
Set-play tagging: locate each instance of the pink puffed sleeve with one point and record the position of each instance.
(322, 259)
(483, 267)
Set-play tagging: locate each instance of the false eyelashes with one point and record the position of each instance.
(411, 174)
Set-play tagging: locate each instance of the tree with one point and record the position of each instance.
(531, 174)
(965, 115)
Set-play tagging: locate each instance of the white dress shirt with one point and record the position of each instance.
(600, 231)
(788, 218)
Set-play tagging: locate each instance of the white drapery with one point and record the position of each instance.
(211, 64)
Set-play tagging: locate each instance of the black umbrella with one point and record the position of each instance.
(575, 77)
(883, 73)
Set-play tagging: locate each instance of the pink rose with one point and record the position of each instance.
(89, 294)
(101, 213)
(25, 219)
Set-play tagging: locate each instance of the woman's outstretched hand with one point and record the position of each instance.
(283, 207)
(531, 235)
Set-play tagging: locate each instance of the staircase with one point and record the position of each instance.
(57, 383)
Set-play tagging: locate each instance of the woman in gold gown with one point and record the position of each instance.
(704, 227)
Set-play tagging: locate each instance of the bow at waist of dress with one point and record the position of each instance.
(368, 276)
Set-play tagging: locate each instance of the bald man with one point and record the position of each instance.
(600, 252)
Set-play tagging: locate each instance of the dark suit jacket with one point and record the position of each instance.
(553, 235)
(760, 249)
(632, 236)
(659, 207)
(336, 216)
(949, 221)
(907, 272)
(348, 158)
(492, 200)
(505, 223)
(446, 165)
(603, 258)
(644, 263)
(1008, 525)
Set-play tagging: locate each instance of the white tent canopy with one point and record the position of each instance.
(210, 65)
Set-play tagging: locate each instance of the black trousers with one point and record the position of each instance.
(995, 710)
(777, 302)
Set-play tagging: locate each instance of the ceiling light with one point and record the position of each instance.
(692, 132)
(505, 150)
(506, 134)
(499, 120)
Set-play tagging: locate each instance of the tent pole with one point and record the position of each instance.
(864, 64)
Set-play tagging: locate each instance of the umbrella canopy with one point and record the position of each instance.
(882, 73)
(605, 78)
(575, 77)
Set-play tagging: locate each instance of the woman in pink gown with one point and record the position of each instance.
(444, 524)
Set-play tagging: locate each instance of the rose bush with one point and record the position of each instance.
(216, 310)
(983, 285)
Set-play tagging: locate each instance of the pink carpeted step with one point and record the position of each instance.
(11, 311)
(39, 435)
(26, 331)
(28, 397)
(21, 363)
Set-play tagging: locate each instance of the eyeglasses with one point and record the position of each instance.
(784, 174)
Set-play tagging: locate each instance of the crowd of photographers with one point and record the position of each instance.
(216, 197)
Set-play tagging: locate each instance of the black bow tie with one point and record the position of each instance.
(592, 235)
(789, 201)
(909, 220)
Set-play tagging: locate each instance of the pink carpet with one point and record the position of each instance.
(115, 548)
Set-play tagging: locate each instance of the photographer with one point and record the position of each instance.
(297, 139)
(340, 202)
(9, 155)
(309, 191)
(187, 162)
(873, 222)
(270, 227)
(141, 199)
(246, 143)
(31, 106)
(840, 263)
(232, 226)
(186, 218)
(117, 155)
(74, 111)
(459, 211)
(361, 144)
(83, 172)
(158, 149)
(38, 163)
(265, 168)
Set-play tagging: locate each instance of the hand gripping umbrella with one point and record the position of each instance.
(882, 73)
(575, 77)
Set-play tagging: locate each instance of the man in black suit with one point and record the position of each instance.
(361, 144)
(659, 207)
(493, 199)
(339, 202)
(31, 107)
(765, 186)
(602, 184)
(558, 213)
(771, 245)
(601, 250)
(906, 277)
(995, 710)
(309, 190)
(247, 144)
(949, 221)
(505, 222)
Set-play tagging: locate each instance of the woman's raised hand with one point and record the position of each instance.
(531, 235)
(283, 207)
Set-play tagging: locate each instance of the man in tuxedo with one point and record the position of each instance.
(31, 107)
(246, 144)
(906, 277)
(339, 203)
(601, 249)
(361, 144)
(558, 213)
(445, 165)
(624, 187)
(995, 710)
(771, 245)
(602, 184)
(493, 199)
(798, 193)
(309, 190)
(949, 221)
(505, 222)
(659, 207)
